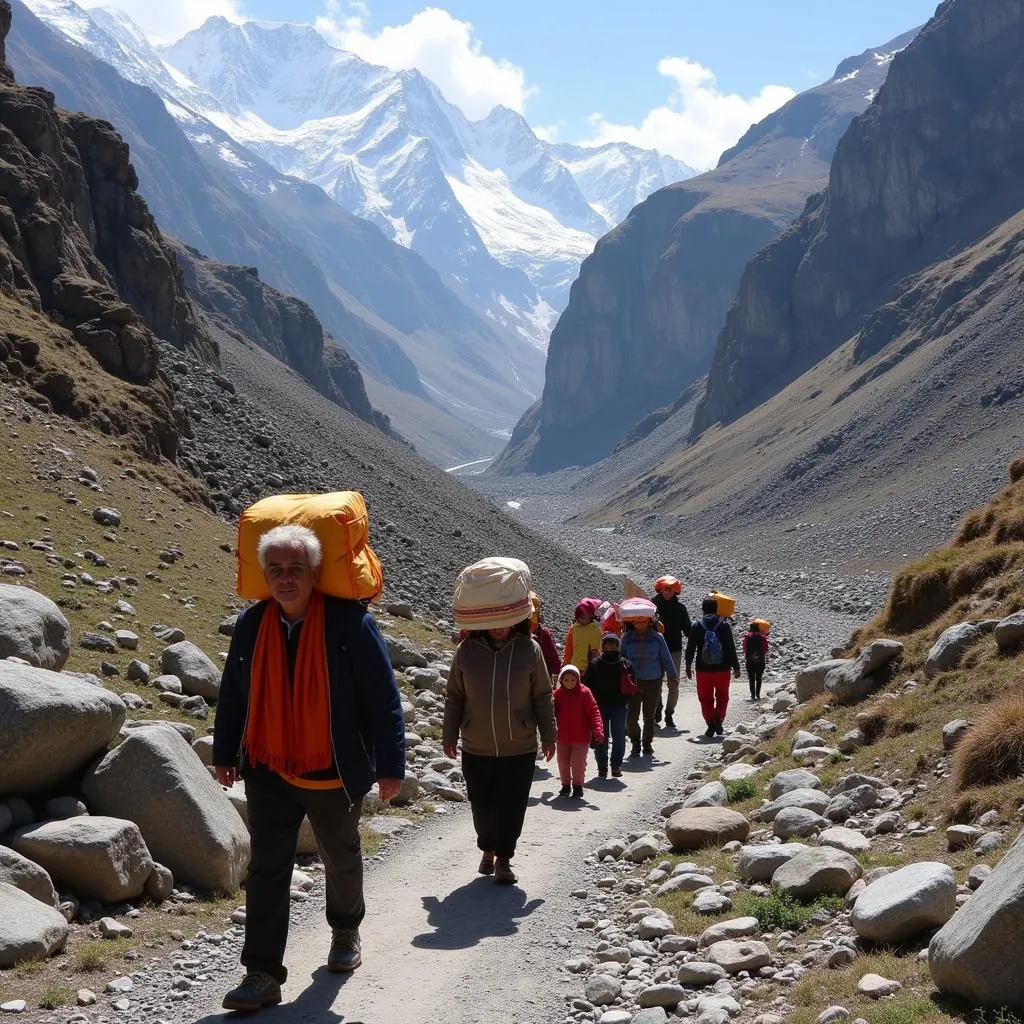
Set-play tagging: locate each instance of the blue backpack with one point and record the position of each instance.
(711, 651)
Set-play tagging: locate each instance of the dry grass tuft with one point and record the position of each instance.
(1017, 469)
(993, 751)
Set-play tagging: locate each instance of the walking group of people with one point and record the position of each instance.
(310, 717)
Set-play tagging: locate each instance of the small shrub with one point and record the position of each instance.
(54, 996)
(778, 911)
(93, 956)
(739, 790)
(1017, 469)
(993, 751)
(26, 968)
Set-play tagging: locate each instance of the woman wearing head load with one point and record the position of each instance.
(498, 699)
(583, 641)
(645, 649)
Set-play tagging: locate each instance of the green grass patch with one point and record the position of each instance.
(26, 968)
(739, 790)
(54, 996)
(99, 954)
(906, 1008)
(778, 911)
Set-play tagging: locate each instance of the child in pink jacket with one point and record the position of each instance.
(578, 719)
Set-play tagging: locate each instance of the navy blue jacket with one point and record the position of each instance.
(367, 727)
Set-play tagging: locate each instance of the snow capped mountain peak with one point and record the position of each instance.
(505, 217)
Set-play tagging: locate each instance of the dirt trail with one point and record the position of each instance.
(441, 943)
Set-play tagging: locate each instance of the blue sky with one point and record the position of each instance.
(684, 75)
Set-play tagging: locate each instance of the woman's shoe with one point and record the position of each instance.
(486, 864)
(565, 790)
(503, 874)
(616, 771)
(602, 773)
(577, 792)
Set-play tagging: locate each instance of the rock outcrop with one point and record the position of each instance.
(929, 168)
(78, 244)
(240, 303)
(646, 311)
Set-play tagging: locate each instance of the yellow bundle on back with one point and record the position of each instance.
(349, 569)
(726, 604)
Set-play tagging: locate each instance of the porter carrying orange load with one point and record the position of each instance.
(349, 568)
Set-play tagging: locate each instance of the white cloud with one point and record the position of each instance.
(440, 46)
(548, 132)
(169, 20)
(698, 122)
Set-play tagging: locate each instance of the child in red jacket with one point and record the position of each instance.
(579, 721)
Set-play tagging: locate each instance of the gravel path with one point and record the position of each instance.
(441, 943)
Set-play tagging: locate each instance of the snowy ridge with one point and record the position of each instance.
(505, 217)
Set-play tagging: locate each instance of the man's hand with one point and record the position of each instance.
(227, 776)
(388, 788)
(450, 750)
(549, 750)
(689, 673)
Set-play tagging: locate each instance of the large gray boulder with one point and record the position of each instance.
(948, 651)
(852, 681)
(797, 821)
(693, 828)
(759, 863)
(818, 872)
(712, 794)
(29, 930)
(199, 676)
(792, 778)
(971, 957)
(96, 857)
(1010, 631)
(154, 779)
(735, 955)
(53, 726)
(901, 905)
(808, 799)
(33, 628)
(810, 681)
(26, 875)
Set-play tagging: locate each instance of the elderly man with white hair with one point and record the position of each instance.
(309, 715)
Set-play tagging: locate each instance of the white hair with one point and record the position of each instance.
(291, 535)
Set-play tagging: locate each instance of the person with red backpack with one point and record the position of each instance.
(755, 654)
(714, 647)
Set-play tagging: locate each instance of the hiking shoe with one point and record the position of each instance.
(719, 728)
(486, 864)
(258, 989)
(670, 722)
(577, 791)
(503, 873)
(710, 730)
(345, 954)
(616, 771)
(657, 714)
(565, 790)
(648, 751)
(635, 752)
(602, 773)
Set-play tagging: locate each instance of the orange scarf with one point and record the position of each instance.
(289, 727)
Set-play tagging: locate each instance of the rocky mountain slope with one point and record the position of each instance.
(645, 313)
(909, 297)
(927, 171)
(381, 301)
(88, 282)
(242, 305)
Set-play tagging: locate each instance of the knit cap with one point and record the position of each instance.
(569, 670)
(493, 593)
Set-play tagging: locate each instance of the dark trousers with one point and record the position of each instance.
(614, 736)
(643, 702)
(276, 810)
(499, 791)
(755, 673)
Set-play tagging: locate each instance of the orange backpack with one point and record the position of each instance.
(349, 568)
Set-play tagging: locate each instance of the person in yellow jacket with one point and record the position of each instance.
(583, 641)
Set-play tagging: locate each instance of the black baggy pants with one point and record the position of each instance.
(755, 673)
(499, 792)
(276, 809)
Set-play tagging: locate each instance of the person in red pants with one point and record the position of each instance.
(713, 646)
